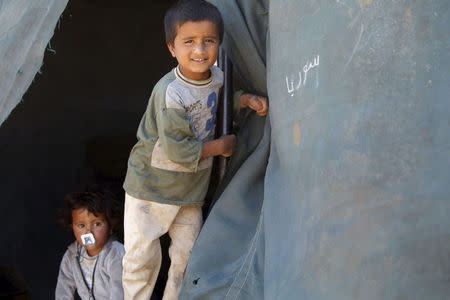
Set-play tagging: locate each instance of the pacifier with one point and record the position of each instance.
(88, 239)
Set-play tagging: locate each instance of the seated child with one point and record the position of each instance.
(92, 265)
(169, 167)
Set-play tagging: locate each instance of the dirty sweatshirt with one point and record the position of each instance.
(165, 165)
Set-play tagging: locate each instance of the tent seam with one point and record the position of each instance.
(252, 247)
(257, 235)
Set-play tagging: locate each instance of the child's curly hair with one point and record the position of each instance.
(96, 200)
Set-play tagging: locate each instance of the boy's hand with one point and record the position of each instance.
(222, 146)
(229, 144)
(259, 104)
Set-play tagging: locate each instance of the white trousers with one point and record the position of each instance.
(144, 223)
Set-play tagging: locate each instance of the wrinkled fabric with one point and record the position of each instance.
(353, 202)
(228, 257)
(25, 30)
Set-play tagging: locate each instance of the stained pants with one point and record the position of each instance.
(144, 223)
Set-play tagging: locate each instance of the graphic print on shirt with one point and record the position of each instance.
(195, 117)
(201, 109)
(212, 105)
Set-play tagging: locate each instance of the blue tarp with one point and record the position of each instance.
(353, 201)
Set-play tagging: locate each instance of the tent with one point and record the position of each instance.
(346, 194)
(75, 125)
(341, 193)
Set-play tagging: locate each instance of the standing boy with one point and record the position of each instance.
(170, 165)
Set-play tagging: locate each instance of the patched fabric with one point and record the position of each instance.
(161, 161)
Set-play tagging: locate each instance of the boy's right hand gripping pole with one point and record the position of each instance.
(225, 109)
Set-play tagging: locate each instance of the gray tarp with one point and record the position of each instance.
(26, 27)
(354, 202)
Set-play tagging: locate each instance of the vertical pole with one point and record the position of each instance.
(225, 109)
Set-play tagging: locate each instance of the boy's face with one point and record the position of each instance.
(195, 47)
(83, 222)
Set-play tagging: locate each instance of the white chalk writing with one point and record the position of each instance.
(302, 76)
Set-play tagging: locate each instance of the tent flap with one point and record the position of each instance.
(25, 30)
(355, 201)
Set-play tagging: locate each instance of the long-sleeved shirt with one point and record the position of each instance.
(107, 274)
(165, 165)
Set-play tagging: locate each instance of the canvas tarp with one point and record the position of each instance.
(25, 30)
(343, 193)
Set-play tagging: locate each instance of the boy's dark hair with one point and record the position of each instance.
(96, 200)
(190, 10)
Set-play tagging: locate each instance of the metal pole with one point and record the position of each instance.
(225, 109)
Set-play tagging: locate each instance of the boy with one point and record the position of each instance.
(169, 167)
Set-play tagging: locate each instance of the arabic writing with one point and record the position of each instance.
(302, 76)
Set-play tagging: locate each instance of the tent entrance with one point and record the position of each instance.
(76, 125)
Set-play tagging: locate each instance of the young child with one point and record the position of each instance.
(169, 167)
(92, 265)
